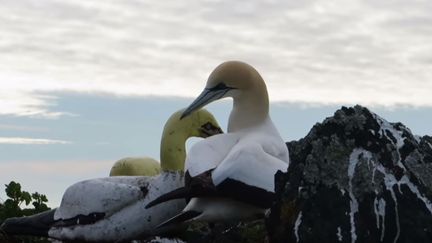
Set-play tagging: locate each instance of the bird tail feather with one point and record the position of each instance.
(35, 225)
(180, 218)
(181, 192)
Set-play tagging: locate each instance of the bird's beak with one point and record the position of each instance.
(206, 97)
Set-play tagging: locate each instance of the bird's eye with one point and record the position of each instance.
(219, 86)
(210, 129)
(208, 126)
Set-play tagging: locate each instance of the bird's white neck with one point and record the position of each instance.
(249, 109)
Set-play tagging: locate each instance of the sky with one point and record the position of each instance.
(85, 83)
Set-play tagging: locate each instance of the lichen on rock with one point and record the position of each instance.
(355, 178)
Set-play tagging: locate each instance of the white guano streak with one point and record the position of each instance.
(379, 208)
(339, 234)
(430, 146)
(390, 181)
(297, 225)
(353, 160)
(413, 188)
(385, 127)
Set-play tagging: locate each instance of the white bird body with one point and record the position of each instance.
(214, 149)
(252, 156)
(122, 200)
(232, 176)
(241, 154)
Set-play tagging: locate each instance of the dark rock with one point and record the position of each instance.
(355, 178)
(245, 232)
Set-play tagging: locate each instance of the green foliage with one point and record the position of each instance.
(11, 207)
(39, 201)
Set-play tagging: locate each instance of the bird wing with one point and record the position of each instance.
(35, 225)
(246, 174)
(197, 186)
(90, 200)
(208, 153)
(201, 159)
(250, 164)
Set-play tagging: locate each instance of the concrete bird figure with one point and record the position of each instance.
(135, 166)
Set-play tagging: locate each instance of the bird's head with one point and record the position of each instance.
(203, 124)
(177, 131)
(229, 79)
(198, 124)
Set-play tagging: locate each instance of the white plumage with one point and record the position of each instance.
(251, 156)
(232, 176)
(122, 200)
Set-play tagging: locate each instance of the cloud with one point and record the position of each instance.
(324, 52)
(20, 102)
(80, 168)
(35, 141)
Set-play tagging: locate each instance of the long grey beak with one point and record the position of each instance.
(206, 97)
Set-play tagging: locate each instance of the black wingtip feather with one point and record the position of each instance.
(35, 225)
(181, 192)
(180, 218)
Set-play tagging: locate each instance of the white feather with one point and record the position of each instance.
(251, 156)
(106, 195)
(249, 164)
(251, 153)
(208, 153)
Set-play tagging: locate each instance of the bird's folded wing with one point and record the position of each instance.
(99, 197)
(208, 153)
(248, 175)
(202, 185)
(197, 186)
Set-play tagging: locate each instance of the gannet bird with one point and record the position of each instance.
(231, 176)
(113, 208)
(135, 166)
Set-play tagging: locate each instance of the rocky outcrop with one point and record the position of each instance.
(355, 178)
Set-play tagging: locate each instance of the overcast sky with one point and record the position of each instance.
(61, 59)
(325, 52)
